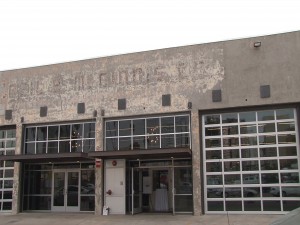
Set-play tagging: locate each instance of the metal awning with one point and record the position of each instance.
(57, 157)
(143, 154)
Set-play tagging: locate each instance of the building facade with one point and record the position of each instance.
(210, 128)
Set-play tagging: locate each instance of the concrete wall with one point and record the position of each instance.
(188, 73)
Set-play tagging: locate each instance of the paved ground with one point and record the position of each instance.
(140, 219)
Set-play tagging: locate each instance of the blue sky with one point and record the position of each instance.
(42, 32)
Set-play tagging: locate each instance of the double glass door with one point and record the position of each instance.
(65, 191)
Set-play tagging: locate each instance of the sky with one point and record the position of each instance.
(43, 32)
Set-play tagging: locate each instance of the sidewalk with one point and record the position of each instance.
(140, 219)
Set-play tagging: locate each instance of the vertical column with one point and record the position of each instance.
(99, 171)
(196, 161)
(16, 198)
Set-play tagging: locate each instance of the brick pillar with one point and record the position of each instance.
(196, 162)
(99, 171)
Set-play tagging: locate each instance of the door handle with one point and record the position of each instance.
(109, 192)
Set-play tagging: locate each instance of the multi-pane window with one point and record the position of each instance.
(147, 133)
(7, 147)
(251, 161)
(63, 138)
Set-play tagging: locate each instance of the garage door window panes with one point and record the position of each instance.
(7, 147)
(148, 133)
(251, 161)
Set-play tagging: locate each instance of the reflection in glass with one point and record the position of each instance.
(87, 182)
(232, 178)
(212, 143)
(89, 145)
(214, 180)
(111, 144)
(76, 146)
(29, 148)
(167, 125)
(285, 126)
(286, 164)
(290, 205)
(246, 141)
(247, 116)
(249, 153)
(111, 128)
(65, 132)
(265, 115)
(153, 126)
(268, 165)
(284, 114)
(213, 167)
(271, 206)
(183, 180)
(251, 192)
(230, 130)
(59, 185)
(231, 192)
(212, 131)
(212, 119)
(250, 165)
(266, 127)
(288, 151)
(269, 178)
(231, 153)
(251, 179)
(286, 139)
(87, 203)
(268, 152)
(252, 206)
(30, 134)
(125, 143)
(213, 154)
(228, 142)
(64, 146)
(229, 118)
(182, 124)
(53, 147)
(248, 129)
(72, 187)
(139, 143)
(167, 141)
(215, 206)
(41, 133)
(125, 128)
(41, 147)
(89, 130)
(182, 140)
(289, 177)
(77, 130)
(183, 203)
(267, 140)
(53, 133)
(232, 166)
(233, 205)
(138, 127)
(153, 142)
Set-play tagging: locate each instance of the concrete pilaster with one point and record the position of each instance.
(196, 162)
(16, 198)
(99, 171)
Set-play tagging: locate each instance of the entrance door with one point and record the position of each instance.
(137, 192)
(65, 191)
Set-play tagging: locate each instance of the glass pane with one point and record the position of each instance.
(271, 206)
(167, 125)
(230, 130)
(293, 191)
(53, 147)
(37, 203)
(229, 118)
(40, 182)
(232, 178)
(138, 127)
(212, 131)
(231, 192)
(29, 148)
(247, 116)
(64, 146)
(267, 140)
(89, 130)
(112, 129)
(77, 130)
(288, 164)
(41, 133)
(251, 179)
(88, 182)
(59, 189)
(289, 177)
(212, 119)
(251, 192)
(229, 142)
(233, 205)
(266, 127)
(11, 133)
(7, 195)
(72, 193)
(213, 167)
(8, 173)
(153, 126)
(213, 154)
(30, 134)
(10, 143)
(290, 205)
(286, 139)
(183, 203)
(285, 114)
(268, 165)
(41, 147)
(269, 178)
(183, 180)
(89, 145)
(76, 146)
(231, 153)
(214, 180)
(247, 141)
(268, 152)
(285, 126)
(125, 128)
(65, 132)
(215, 206)
(215, 193)
(87, 203)
(53, 133)
(182, 124)
(125, 143)
(288, 151)
(250, 165)
(167, 141)
(153, 142)
(252, 205)
(248, 129)
(232, 166)
(212, 143)
(139, 143)
(249, 153)
(111, 144)
(265, 115)
(182, 140)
